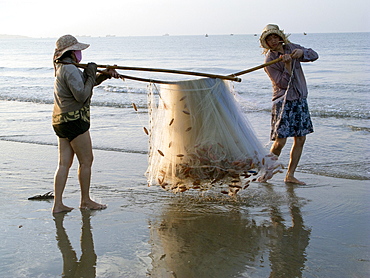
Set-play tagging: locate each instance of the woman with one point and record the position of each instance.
(290, 114)
(71, 118)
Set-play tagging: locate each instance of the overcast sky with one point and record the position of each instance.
(49, 18)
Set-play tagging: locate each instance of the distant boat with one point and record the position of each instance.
(304, 33)
(166, 35)
(206, 35)
(255, 35)
(231, 34)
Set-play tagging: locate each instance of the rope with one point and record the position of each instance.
(283, 98)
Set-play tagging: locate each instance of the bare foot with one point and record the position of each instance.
(92, 205)
(294, 180)
(61, 208)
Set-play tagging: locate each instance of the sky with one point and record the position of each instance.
(49, 18)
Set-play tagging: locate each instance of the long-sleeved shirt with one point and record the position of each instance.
(72, 91)
(280, 76)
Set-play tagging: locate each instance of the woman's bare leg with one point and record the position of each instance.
(65, 160)
(295, 155)
(277, 146)
(82, 146)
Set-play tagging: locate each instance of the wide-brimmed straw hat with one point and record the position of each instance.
(272, 29)
(66, 43)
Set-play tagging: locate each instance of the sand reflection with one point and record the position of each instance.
(194, 238)
(86, 265)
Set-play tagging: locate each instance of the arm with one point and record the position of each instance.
(279, 74)
(303, 54)
(80, 89)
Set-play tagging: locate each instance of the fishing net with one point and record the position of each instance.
(199, 138)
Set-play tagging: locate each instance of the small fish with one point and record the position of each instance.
(184, 97)
(224, 192)
(160, 153)
(164, 185)
(170, 144)
(146, 131)
(186, 112)
(134, 105)
(180, 155)
(171, 122)
(263, 161)
(188, 129)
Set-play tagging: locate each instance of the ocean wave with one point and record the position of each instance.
(359, 128)
(121, 89)
(26, 69)
(124, 101)
(340, 114)
(26, 99)
(339, 169)
(21, 139)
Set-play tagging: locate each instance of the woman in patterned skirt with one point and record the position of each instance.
(290, 114)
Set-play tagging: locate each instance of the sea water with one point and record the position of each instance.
(338, 84)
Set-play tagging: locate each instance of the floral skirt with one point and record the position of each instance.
(293, 121)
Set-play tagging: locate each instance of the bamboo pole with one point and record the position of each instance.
(227, 77)
(122, 76)
(257, 68)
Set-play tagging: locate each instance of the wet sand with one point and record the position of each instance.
(270, 230)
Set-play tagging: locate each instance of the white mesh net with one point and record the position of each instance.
(199, 138)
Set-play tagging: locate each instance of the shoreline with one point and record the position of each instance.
(144, 229)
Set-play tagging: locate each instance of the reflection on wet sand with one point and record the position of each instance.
(72, 267)
(205, 239)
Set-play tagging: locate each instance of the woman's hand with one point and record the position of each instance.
(286, 58)
(111, 72)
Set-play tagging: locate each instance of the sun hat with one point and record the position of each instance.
(272, 29)
(66, 43)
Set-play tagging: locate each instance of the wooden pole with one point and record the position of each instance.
(227, 77)
(144, 79)
(257, 68)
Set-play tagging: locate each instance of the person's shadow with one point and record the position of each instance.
(72, 267)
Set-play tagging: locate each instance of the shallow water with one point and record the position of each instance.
(320, 230)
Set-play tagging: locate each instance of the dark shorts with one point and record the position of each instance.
(295, 120)
(70, 130)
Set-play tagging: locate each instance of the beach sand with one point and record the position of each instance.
(271, 229)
